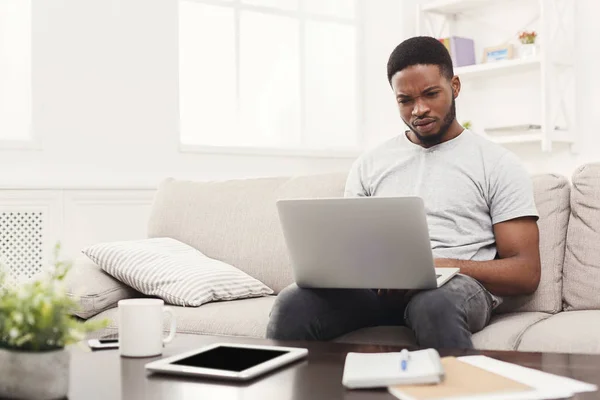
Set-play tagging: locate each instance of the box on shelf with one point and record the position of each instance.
(462, 50)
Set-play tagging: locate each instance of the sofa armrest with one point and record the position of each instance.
(94, 289)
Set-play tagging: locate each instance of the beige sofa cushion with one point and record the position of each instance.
(94, 289)
(505, 331)
(247, 317)
(566, 332)
(582, 259)
(552, 201)
(236, 221)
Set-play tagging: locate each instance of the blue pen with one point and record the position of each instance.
(404, 357)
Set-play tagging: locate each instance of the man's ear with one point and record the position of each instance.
(455, 84)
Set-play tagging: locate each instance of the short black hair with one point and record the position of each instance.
(420, 50)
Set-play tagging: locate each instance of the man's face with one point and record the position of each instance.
(426, 100)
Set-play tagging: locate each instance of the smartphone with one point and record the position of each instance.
(103, 343)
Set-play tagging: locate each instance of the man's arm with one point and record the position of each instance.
(354, 181)
(518, 270)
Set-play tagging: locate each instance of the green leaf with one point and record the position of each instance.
(35, 316)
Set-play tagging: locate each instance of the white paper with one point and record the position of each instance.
(547, 386)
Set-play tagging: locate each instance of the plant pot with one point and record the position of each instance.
(31, 375)
(528, 50)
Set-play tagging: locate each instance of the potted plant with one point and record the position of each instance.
(35, 327)
(528, 48)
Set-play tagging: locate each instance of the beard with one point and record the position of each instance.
(437, 138)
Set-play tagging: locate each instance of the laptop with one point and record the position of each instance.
(362, 242)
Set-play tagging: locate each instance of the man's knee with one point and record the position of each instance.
(438, 320)
(434, 308)
(289, 317)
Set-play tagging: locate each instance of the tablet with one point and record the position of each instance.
(228, 361)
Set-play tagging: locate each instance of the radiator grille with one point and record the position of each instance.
(21, 242)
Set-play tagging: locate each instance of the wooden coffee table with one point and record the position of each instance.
(105, 375)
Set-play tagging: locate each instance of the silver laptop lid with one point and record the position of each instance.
(364, 242)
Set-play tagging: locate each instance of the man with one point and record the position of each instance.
(480, 212)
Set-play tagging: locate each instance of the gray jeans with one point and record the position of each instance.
(440, 318)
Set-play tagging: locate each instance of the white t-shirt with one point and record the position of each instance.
(468, 184)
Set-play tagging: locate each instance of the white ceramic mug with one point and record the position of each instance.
(141, 327)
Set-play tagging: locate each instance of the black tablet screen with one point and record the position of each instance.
(229, 358)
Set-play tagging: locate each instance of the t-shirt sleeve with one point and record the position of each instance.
(354, 182)
(510, 191)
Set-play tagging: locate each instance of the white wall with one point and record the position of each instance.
(105, 105)
(105, 99)
(386, 28)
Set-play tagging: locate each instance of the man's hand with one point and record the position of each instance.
(518, 269)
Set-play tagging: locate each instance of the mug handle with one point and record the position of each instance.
(172, 330)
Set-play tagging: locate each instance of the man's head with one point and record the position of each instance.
(421, 75)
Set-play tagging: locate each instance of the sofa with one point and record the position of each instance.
(236, 221)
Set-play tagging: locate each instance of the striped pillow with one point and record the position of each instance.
(175, 272)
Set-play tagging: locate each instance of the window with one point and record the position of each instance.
(270, 74)
(15, 72)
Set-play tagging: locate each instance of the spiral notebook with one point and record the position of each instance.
(371, 370)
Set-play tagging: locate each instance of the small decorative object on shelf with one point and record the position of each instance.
(35, 326)
(498, 53)
(462, 50)
(528, 48)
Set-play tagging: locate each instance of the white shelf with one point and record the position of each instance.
(532, 136)
(517, 138)
(444, 18)
(450, 7)
(498, 67)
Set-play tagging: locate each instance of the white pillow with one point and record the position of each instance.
(177, 273)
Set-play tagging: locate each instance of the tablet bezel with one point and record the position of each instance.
(165, 365)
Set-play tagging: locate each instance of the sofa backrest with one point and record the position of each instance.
(551, 194)
(236, 221)
(582, 258)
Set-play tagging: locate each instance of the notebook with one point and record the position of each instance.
(370, 370)
(461, 380)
